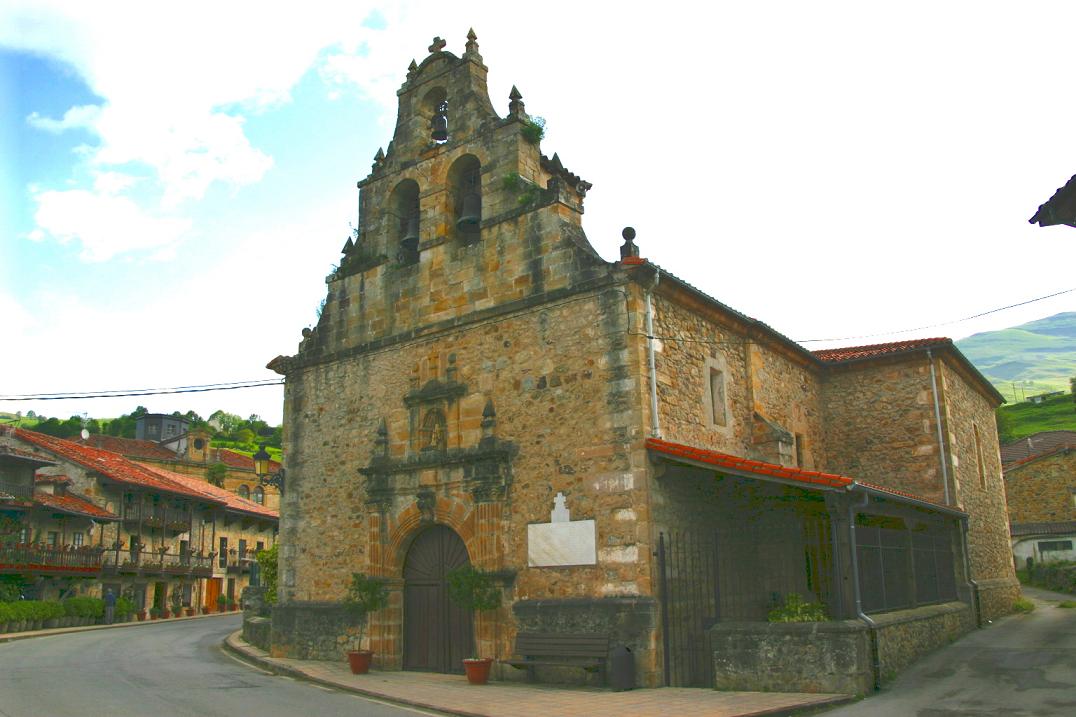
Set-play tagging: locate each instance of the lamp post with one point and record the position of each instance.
(261, 469)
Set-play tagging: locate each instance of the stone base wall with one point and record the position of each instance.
(830, 656)
(312, 631)
(257, 631)
(629, 621)
(996, 597)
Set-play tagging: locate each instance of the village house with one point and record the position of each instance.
(168, 442)
(624, 454)
(1040, 485)
(89, 519)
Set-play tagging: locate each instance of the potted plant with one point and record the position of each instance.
(474, 590)
(222, 602)
(141, 614)
(364, 596)
(177, 603)
(154, 613)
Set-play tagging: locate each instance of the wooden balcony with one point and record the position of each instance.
(154, 562)
(45, 559)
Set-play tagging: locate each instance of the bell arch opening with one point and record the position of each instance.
(465, 196)
(404, 220)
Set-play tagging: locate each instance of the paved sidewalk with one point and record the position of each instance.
(12, 636)
(450, 694)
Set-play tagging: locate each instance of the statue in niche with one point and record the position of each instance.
(433, 436)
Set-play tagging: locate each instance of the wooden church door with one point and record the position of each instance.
(437, 634)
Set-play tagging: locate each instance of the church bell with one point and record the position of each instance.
(410, 237)
(439, 123)
(471, 213)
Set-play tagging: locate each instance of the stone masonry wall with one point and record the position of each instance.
(1041, 490)
(975, 462)
(880, 425)
(758, 379)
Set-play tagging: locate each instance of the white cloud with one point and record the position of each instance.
(80, 116)
(104, 224)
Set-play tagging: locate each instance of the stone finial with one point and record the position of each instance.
(472, 46)
(379, 159)
(411, 70)
(489, 422)
(348, 246)
(437, 46)
(628, 248)
(516, 108)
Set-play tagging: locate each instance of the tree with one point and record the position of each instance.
(215, 474)
(1006, 428)
(267, 561)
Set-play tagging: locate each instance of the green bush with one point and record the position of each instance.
(1063, 603)
(124, 607)
(1023, 605)
(84, 607)
(795, 610)
(267, 562)
(533, 129)
(1056, 575)
(472, 589)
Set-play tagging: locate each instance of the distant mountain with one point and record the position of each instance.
(1025, 360)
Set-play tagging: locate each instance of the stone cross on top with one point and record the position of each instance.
(559, 514)
(438, 45)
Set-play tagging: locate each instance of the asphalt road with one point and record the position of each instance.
(1021, 665)
(164, 669)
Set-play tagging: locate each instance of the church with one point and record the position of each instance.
(622, 453)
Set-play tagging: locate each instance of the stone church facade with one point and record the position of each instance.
(476, 359)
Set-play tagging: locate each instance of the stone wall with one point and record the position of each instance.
(975, 463)
(1041, 490)
(881, 427)
(830, 656)
(758, 379)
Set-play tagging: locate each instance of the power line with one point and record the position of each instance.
(944, 323)
(160, 388)
(148, 392)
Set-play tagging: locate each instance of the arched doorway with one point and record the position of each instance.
(437, 634)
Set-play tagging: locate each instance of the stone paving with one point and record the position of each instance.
(452, 695)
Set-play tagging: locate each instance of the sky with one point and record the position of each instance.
(176, 180)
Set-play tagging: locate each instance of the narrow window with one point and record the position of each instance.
(243, 491)
(76, 539)
(717, 397)
(53, 538)
(258, 495)
(799, 450)
(242, 548)
(222, 557)
(979, 457)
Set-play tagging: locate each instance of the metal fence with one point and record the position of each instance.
(688, 571)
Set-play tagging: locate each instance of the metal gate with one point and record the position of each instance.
(688, 572)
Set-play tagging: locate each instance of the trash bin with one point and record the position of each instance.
(621, 668)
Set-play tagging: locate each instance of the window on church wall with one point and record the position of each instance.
(258, 495)
(465, 196)
(433, 113)
(979, 457)
(716, 397)
(404, 220)
(433, 436)
(243, 491)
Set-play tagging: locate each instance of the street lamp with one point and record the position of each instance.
(261, 469)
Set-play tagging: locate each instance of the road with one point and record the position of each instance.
(1021, 665)
(164, 669)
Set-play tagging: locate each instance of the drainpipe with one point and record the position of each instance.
(937, 420)
(975, 604)
(872, 627)
(655, 423)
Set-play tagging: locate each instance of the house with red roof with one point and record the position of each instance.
(620, 452)
(82, 518)
(1040, 486)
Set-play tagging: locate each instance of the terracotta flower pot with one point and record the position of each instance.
(478, 670)
(141, 615)
(189, 611)
(359, 661)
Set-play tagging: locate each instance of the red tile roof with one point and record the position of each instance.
(27, 455)
(1035, 445)
(111, 465)
(127, 446)
(812, 479)
(856, 353)
(237, 460)
(231, 500)
(74, 505)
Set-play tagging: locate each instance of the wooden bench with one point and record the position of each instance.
(546, 649)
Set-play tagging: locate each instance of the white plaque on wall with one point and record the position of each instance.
(563, 541)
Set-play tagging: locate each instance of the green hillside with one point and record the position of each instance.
(1016, 420)
(1036, 357)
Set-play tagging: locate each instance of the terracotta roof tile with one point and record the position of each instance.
(1035, 445)
(52, 479)
(75, 505)
(27, 455)
(1057, 528)
(238, 460)
(855, 353)
(127, 446)
(231, 500)
(815, 479)
(111, 465)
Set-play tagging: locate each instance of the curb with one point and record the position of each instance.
(233, 644)
(15, 636)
